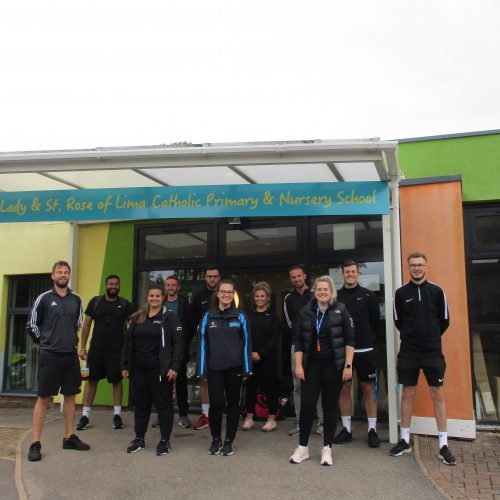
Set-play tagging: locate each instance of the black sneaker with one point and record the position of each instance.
(373, 440)
(83, 423)
(136, 445)
(344, 436)
(445, 455)
(34, 454)
(227, 449)
(74, 443)
(163, 447)
(184, 422)
(117, 422)
(400, 448)
(215, 447)
(156, 423)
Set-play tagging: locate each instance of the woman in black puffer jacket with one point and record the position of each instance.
(324, 349)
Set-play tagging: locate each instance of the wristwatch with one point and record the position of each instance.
(347, 366)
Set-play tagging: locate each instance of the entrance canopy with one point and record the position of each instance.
(287, 178)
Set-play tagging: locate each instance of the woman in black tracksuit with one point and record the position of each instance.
(324, 349)
(266, 327)
(152, 355)
(224, 359)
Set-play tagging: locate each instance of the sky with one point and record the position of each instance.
(103, 73)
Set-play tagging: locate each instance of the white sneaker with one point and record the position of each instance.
(299, 455)
(326, 456)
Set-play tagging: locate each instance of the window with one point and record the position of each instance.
(21, 354)
(482, 227)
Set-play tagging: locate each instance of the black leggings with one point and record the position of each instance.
(264, 376)
(181, 390)
(321, 375)
(148, 388)
(224, 388)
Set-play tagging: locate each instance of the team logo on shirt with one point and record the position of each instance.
(53, 303)
(157, 322)
(235, 324)
(212, 324)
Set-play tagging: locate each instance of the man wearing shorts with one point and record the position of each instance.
(364, 308)
(109, 313)
(53, 323)
(421, 316)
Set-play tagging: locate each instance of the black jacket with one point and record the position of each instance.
(266, 328)
(172, 344)
(292, 304)
(185, 316)
(201, 304)
(363, 307)
(224, 341)
(54, 321)
(421, 316)
(340, 326)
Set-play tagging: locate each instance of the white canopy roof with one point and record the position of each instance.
(204, 164)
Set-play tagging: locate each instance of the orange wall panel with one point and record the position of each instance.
(432, 223)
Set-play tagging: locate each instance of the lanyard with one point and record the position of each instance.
(319, 322)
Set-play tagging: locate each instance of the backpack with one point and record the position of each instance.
(262, 410)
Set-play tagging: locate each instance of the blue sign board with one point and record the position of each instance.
(242, 200)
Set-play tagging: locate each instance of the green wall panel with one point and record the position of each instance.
(476, 158)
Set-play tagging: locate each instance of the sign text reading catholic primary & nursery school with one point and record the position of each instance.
(242, 200)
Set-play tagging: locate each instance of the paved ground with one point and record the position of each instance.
(259, 469)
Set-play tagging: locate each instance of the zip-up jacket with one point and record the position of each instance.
(172, 344)
(54, 321)
(363, 307)
(185, 316)
(292, 304)
(340, 326)
(421, 316)
(224, 341)
(266, 328)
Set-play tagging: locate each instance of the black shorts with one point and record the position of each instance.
(58, 372)
(104, 364)
(365, 365)
(408, 370)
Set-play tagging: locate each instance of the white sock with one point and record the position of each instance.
(204, 408)
(346, 422)
(303, 447)
(117, 410)
(405, 434)
(372, 423)
(443, 439)
(86, 411)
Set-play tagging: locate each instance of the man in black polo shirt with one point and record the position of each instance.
(53, 323)
(364, 308)
(421, 316)
(109, 313)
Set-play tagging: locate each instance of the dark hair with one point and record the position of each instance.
(349, 263)
(417, 255)
(141, 315)
(112, 277)
(297, 266)
(61, 263)
(173, 277)
(215, 299)
(212, 268)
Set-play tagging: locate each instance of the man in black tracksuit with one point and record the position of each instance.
(421, 316)
(180, 306)
(53, 323)
(201, 304)
(363, 306)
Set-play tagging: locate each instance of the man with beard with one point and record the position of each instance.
(421, 316)
(53, 323)
(201, 304)
(109, 313)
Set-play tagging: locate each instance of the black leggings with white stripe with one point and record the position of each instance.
(224, 389)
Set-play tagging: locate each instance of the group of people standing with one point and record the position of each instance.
(330, 333)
